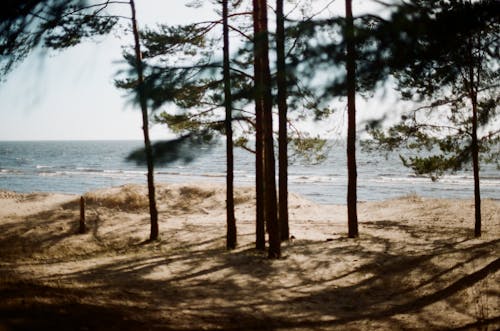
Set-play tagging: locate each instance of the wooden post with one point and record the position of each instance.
(82, 215)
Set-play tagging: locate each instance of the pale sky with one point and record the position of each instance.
(70, 95)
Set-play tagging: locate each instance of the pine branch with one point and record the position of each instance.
(102, 5)
(216, 22)
(447, 101)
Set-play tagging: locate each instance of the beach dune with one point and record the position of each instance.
(416, 264)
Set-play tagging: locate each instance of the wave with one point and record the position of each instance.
(241, 175)
(315, 179)
(10, 171)
(48, 174)
(453, 180)
(90, 172)
(213, 175)
(40, 166)
(89, 169)
(171, 173)
(125, 172)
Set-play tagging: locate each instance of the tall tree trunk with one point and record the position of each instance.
(145, 128)
(474, 147)
(263, 95)
(352, 214)
(231, 221)
(475, 165)
(260, 232)
(282, 110)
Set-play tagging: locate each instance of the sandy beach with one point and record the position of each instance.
(416, 264)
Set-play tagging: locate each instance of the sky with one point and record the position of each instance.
(70, 95)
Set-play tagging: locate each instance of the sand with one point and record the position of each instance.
(416, 264)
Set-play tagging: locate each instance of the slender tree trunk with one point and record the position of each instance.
(231, 221)
(475, 165)
(282, 110)
(474, 146)
(352, 214)
(260, 232)
(145, 128)
(264, 96)
(82, 227)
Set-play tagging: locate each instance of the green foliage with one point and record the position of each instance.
(54, 24)
(179, 73)
(181, 40)
(183, 124)
(452, 65)
(435, 165)
(71, 30)
(243, 142)
(439, 148)
(183, 72)
(310, 149)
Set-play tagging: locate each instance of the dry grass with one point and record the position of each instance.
(127, 197)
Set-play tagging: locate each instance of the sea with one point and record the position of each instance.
(80, 166)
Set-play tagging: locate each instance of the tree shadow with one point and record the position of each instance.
(24, 236)
(373, 282)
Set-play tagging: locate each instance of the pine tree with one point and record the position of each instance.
(62, 24)
(194, 87)
(446, 57)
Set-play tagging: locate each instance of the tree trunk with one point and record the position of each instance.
(145, 128)
(282, 110)
(231, 221)
(260, 233)
(82, 227)
(352, 214)
(263, 95)
(475, 165)
(474, 146)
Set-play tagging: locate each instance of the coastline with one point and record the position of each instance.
(84, 166)
(415, 265)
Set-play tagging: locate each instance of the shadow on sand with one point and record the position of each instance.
(363, 284)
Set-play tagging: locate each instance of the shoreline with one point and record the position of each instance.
(237, 186)
(79, 167)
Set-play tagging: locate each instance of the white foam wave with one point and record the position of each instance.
(40, 166)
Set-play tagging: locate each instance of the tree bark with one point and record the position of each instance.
(282, 110)
(474, 146)
(231, 239)
(260, 230)
(82, 227)
(263, 96)
(260, 240)
(145, 128)
(475, 165)
(352, 214)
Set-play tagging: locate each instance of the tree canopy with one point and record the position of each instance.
(446, 59)
(53, 24)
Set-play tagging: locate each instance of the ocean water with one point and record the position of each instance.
(81, 166)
